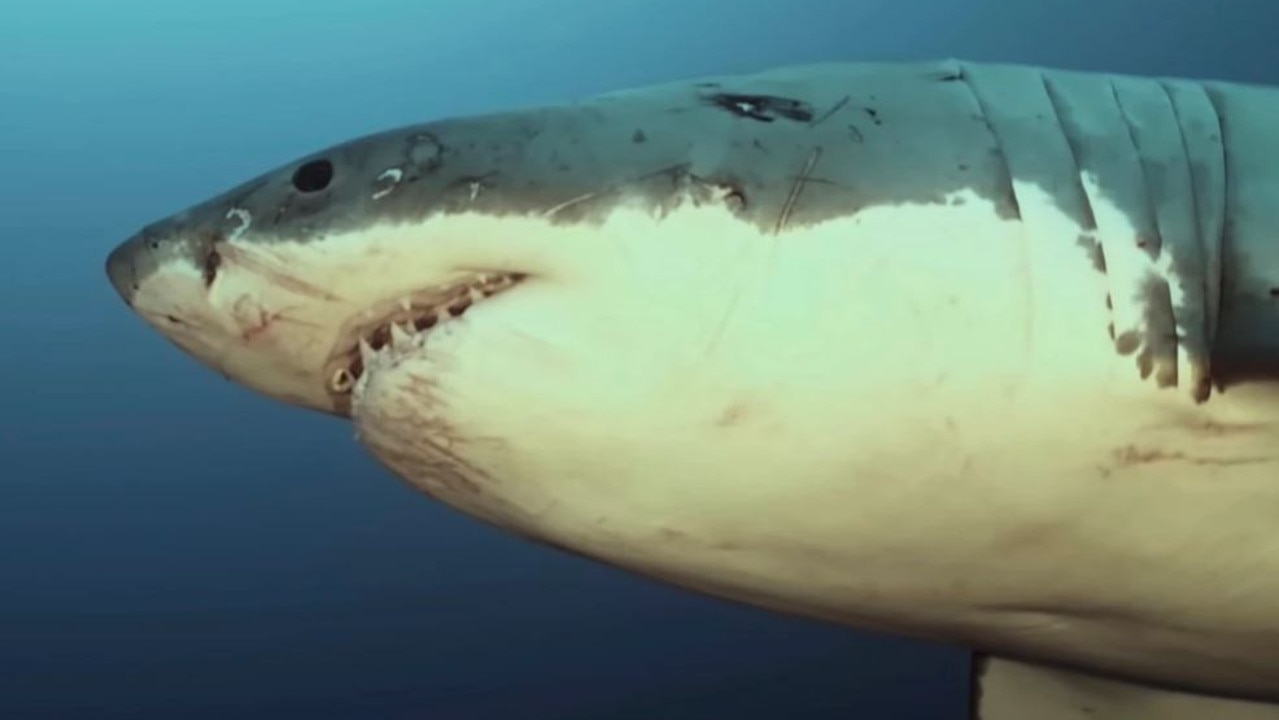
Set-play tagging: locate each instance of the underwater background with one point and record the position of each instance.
(174, 547)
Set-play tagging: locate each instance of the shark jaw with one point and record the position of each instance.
(297, 321)
(400, 327)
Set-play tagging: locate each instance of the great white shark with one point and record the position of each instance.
(983, 354)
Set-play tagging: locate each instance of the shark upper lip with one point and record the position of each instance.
(395, 322)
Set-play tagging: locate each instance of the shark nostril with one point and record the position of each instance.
(313, 176)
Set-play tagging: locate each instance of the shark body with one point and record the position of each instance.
(984, 354)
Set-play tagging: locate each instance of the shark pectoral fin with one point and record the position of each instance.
(1011, 690)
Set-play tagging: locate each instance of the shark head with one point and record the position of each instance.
(292, 282)
(610, 326)
(613, 325)
(521, 311)
(471, 290)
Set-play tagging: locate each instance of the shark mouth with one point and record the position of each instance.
(403, 325)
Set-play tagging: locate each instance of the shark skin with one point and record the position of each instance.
(1004, 689)
(982, 354)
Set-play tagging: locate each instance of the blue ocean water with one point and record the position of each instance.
(172, 546)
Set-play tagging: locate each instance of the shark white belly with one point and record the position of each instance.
(981, 354)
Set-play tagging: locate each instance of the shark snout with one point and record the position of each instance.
(178, 241)
(122, 272)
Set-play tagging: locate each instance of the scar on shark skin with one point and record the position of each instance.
(1132, 455)
(1217, 428)
(1136, 454)
(254, 320)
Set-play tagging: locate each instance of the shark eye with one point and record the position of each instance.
(313, 176)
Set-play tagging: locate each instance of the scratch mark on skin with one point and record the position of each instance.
(729, 311)
(834, 109)
(443, 469)
(562, 206)
(800, 181)
(425, 445)
(1213, 428)
(232, 254)
(1132, 455)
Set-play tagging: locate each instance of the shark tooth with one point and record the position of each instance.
(400, 337)
(367, 353)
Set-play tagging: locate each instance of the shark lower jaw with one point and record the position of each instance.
(390, 329)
